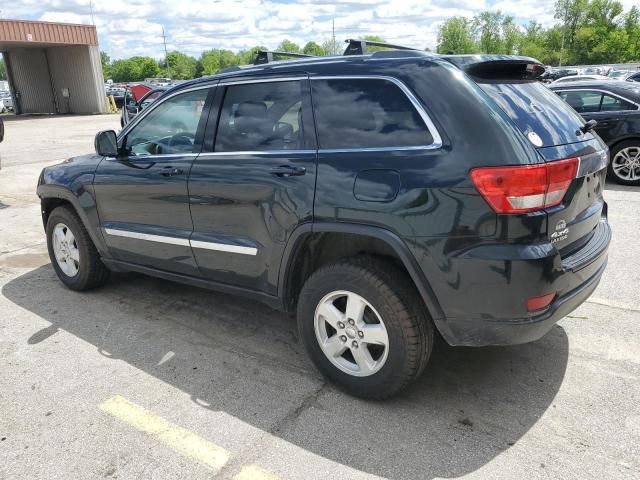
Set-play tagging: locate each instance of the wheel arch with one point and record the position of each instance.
(53, 196)
(626, 138)
(383, 242)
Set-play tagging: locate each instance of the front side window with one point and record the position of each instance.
(261, 117)
(170, 128)
(366, 113)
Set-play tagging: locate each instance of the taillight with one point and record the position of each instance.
(525, 188)
(541, 302)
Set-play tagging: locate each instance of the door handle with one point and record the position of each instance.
(171, 171)
(288, 171)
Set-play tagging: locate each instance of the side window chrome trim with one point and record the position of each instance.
(155, 105)
(605, 92)
(431, 127)
(262, 80)
(258, 152)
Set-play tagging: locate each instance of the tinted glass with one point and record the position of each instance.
(533, 107)
(366, 113)
(612, 104)
(170, 128)
(261, 117)
(582, 101)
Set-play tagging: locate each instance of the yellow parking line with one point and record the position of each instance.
(179, 439)
(252, 472)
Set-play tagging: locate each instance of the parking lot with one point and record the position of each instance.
(149, 379)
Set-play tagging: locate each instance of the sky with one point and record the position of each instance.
(134, 27)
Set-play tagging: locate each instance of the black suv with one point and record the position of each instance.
(384, 197)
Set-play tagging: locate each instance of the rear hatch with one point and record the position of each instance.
(553, 128)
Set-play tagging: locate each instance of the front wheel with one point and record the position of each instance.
(365, 326)
(73, 255)
(625, 163)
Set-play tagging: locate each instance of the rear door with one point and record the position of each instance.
(607, 108)
(254, 183)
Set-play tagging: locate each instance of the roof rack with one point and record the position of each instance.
(264, 56)
(359, 47)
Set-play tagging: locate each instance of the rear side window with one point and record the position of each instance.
(261, 117)
(366, 113)
(589, 101)
(535, 108)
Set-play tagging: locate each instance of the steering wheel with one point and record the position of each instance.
(181, 140)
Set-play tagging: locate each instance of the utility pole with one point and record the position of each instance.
(564, 28)
(166, 57)
(91, 9)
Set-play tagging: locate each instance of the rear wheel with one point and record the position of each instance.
(365, 327)
(625, 163)
(73, 255)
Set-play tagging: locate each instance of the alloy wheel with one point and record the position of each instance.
(66, 250)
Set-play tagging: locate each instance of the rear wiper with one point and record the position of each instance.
(587, 127)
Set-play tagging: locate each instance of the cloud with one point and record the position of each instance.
(134, 27)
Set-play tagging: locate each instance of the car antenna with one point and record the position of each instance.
(587, 127)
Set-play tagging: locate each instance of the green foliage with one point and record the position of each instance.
(105, 59)
(133, 69)
(3, 71)
(312, 48)
(587, 32)
(288, 46)
(181, 66)
(457, 35)
(374, 38)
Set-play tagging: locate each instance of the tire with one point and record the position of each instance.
(82, 257)
(392, 300)
(627, 152)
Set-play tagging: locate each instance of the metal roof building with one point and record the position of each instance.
(53, 67)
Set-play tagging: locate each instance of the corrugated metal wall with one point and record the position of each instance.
(73, 73)
(30, 80)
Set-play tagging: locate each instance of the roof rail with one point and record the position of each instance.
(264, 56)
(359, 47)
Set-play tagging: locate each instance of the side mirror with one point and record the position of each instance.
(106, 143)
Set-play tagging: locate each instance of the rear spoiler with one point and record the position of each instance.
(497, 67)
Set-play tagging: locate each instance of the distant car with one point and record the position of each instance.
(618, 74)
(616, 108)
(576, 78)
(6, 102)
(132, 106)
(633, 77)
(554, 73)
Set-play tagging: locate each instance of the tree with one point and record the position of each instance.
(3, 71)
(456, 35)
(288, 46)
(489, 25)
(106, 65)
(181, 66)
(375, 38)
(134, 69)
(511, 35)
(312, 48)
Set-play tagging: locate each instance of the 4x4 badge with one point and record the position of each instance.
(561, 233)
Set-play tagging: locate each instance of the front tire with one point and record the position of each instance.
(365, 326)
(625, 163)
(73, 255)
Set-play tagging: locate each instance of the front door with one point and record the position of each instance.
(142, 195)
(256, 184)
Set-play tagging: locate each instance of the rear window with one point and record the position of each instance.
(366, 113)
(535, 108)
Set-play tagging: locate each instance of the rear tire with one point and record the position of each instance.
(72, 252)
(387, 348)
(624, 167)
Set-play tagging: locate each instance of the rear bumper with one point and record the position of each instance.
(482, 332)
(493, 311)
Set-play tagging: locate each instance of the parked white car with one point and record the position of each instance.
(576, 78)
(6, 103)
